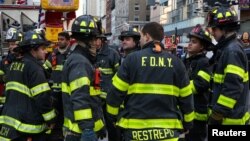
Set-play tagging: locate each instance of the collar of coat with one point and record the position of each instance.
(151, 45)
(225, 40)
(103, 50)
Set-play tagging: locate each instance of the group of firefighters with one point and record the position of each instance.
(85, 90)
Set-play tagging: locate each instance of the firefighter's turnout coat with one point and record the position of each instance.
(155, 90)
(230, 82)
(81, 102)
(199, 72)
(107, 60)
(28, 104)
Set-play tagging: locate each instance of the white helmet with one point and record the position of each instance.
(13, 35)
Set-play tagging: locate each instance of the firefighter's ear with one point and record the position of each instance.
(148, 37)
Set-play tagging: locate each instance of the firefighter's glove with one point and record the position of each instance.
(101, 134)
(88, 135)
(215, 119)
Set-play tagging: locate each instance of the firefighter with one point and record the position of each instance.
(28, 112)
(130, 41)
(13, 36)
(155, 90)
(81, 99)
(199, 71)
(55, 63)
(230, 72)
(108, 62)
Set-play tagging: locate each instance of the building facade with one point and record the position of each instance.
(126, 14)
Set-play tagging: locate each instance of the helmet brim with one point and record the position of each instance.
(207, 42)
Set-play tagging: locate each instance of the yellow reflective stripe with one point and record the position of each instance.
(71, 126)
(4, 139)
(218, 78)
(120, 84)
(34, 36)
(189, 117)
(204, 75)
(220, 15)
(235, 70)
(50, 115)
(242, 121)
(150, 123)
(209, 111)
(98, 125)
(47, 64)
(74, 126)
(226, 101)
(48, 132)
(78, 83)
(163, 89)
(193, 87)
(16, 86)
(103, 95)
(1, 72)
(83, 23)
(116, 65)
(56, 85)
(22, 127)
(201, 117)
(173, 139)
(215, 11)
(106, 70)
(65, 88)
(39, 89)
(112, 110)
(83, 114)
(228, 14)
(94, 92)
(186, 91)
(58, 67)
(2, 99)
(92, 24)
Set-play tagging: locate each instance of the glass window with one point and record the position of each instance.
(136, 18)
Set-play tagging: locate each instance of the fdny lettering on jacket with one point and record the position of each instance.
(152, 134)
(17, 66)
(156, 62)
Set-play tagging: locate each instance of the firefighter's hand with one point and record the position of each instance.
(101, 134)
(215, 119)
(88, 135)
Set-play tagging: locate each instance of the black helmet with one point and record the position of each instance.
(85, 26)
(13, 35)
(201, 34)
(40, 31)
(102, 35)
(132, 32)
(223, 17)
(32, 40)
